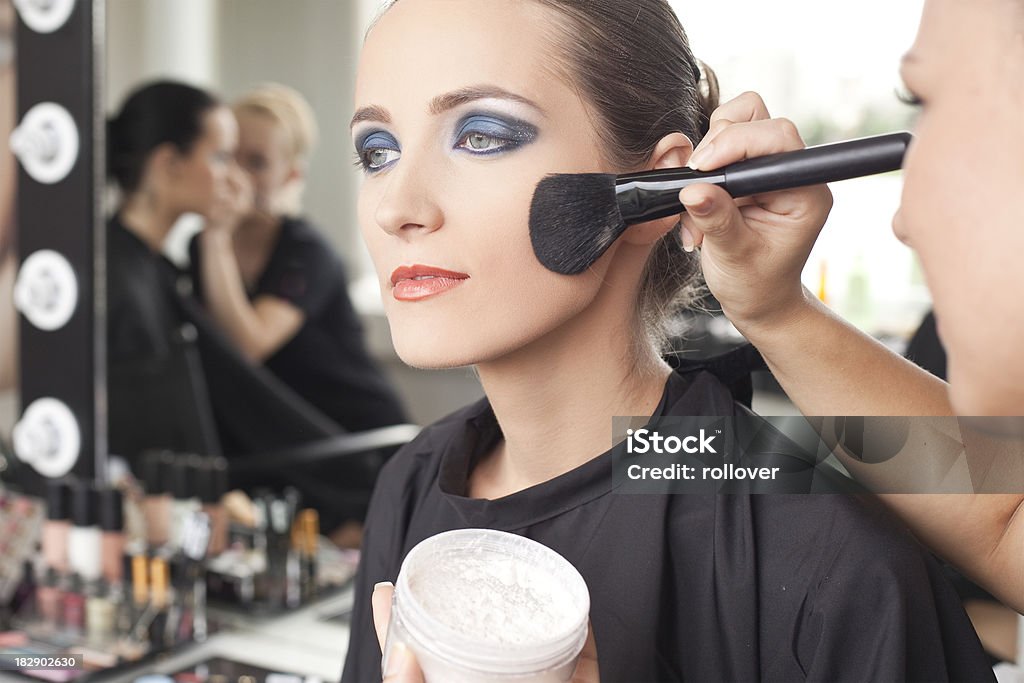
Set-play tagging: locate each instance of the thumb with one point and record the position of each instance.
(710, 210)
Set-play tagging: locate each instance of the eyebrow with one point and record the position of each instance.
(447, 102)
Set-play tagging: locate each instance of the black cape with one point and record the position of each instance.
(689, 587)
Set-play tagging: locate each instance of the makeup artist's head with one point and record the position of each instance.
(462, 107)
(961, 200)
(276, 135)
(172, 146)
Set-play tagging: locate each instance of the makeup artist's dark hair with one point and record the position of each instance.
(155, 114)
(632, 61)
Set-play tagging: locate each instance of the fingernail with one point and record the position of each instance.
(687, 241)
(397, 658)
(700, 156)
(382, 584)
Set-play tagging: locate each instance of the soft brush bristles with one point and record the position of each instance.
(573, 220)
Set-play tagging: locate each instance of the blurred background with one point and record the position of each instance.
(831, 68)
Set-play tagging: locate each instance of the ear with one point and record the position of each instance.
(165, 163)
(673, 151)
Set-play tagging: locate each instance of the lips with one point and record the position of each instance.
(415, 283)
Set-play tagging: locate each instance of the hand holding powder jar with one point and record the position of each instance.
(488, 606)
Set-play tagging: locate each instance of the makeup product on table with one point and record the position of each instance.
(156, 506)
(100, 615)
(57, 525)
(84, 536)
(309, 523)
(185, 477)
(112, 539)
(21, 522)
(73, 607)
(159, 576)
(213, 484)
(575, 218)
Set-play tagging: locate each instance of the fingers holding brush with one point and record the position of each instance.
(753, 250)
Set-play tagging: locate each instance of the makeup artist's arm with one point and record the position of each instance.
(753, 252)
(259, 328)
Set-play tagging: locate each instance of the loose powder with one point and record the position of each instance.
(491, 597)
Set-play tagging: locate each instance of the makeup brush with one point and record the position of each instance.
(575, 218)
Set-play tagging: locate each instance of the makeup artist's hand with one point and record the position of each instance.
(404, 669)
(753, 250)
(232, 203)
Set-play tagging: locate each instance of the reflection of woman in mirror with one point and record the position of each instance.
(459, 114)
(275, 284)
(8, 259)
(171, 151)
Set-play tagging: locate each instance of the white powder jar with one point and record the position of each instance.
(484, 606)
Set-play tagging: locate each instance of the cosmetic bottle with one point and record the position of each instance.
(140, 586)
(100, 614)
(185, 475)
(57, 525)
(112, 539)
(159, 602)
(84, 536)
(73, 607)
(156, 506)
(309, 522)
(213, 484)
(49, 600)
(293, 572)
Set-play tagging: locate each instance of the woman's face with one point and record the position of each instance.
(459, 114)
(265, 154)
(201, 177)
(961, 200)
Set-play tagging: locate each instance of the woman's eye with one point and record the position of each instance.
(376, 158)
(481, 142)
(377, 151)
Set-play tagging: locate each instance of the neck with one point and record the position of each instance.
(259, 227)
(147, 220)
(555, 398)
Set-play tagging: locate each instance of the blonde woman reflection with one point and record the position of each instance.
(461, 108)
(8, 258)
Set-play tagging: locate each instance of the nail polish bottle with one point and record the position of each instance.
(49, 600)
(184, 478)
(57, 525)
(156, 506)
(84, 536)
(73, 607)
(213, 484)
(159, 602)
(112, 537)
(100, 615)
(310, 524)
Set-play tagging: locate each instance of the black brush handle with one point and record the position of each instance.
(655, 194)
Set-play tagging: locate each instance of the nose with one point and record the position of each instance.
(408, 206)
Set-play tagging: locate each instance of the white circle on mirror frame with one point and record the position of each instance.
(46, 290)
(46, 143)
(44, 16)
(48, 438)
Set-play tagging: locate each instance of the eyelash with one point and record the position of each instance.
(907, 97)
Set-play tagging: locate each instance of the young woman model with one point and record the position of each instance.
(461, 108)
